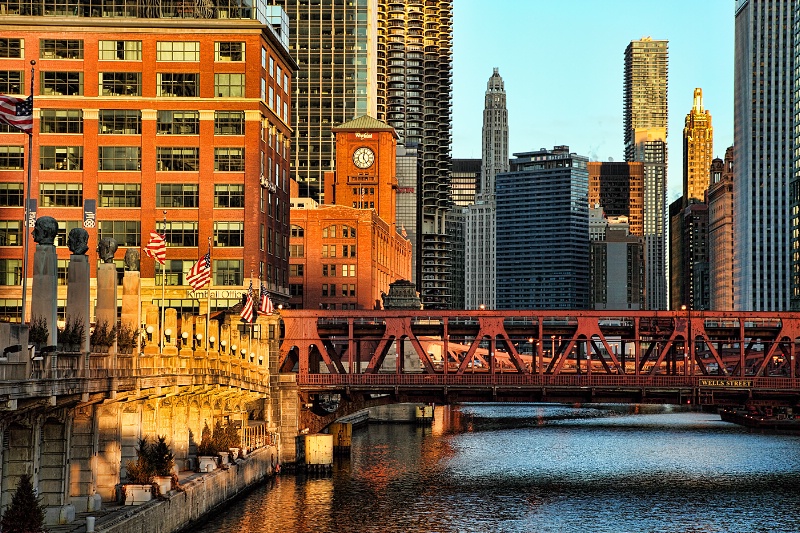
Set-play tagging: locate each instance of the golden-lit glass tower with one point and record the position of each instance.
(698, 148)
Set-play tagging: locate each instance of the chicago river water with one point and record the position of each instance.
(541, 468)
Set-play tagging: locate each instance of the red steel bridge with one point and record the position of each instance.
(679, 357)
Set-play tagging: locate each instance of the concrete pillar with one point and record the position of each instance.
(106, 308)
(131, 299)
(44, 296)
(78, 310)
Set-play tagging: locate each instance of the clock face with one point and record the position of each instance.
(363, 157)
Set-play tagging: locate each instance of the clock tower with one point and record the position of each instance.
(365, 177)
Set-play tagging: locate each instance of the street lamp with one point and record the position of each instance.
(185, 337)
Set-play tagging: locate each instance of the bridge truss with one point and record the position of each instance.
(664, 356)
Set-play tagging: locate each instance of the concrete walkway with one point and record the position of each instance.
(111, 511)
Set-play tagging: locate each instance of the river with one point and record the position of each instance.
(541, 468)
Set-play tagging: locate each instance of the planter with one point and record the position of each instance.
(164, 483)
(223, 458)
(206, 463)
(137, 494)
(234, 454)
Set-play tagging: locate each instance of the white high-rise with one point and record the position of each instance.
(480, 238)
(645, 114)
(763, 165)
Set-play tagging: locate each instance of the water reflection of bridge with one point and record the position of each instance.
(634, 356)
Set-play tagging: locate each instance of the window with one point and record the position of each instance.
(349, 290)
(10, 233)
(120, 84)
(348, 271)
(119, 121)
(229, 159)
(120, 194)
(296, 270)
(11, 82)
(296, 250)
(228, 51)
(178, 51)
(11, 158)
(61, 83)
(11, 48)
(328, 270)
(229, 85)
(177, 84)
(271, 100)
(61, 121)
(297, 231)
(295, 289)
(125, 232)
(61, 157)
(348, 232)
(119, 50)
(177, 159)
(229, 123)
(348, 250)
(60, 49)
(119, 158)
(227, 271)
(329, 232)
(62, 271)
(329, 290)
(174, 271)
(11, 195)
(64, 227)
(229, 195)
(328, 250)
(10, 272)
(178, 123)
(176, 195)
(229, 233)
(61, 194)
(181, 233)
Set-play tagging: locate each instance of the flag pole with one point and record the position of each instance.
(252, 322)
(163, 287)
(210, 283)
(25, 222)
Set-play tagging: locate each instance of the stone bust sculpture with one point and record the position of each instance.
(78, 241)
(132, 259)
(107, 248)
(45, 230)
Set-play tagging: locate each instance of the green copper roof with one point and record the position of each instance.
(364, 123)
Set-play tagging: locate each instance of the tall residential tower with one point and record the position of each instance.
(645, 122)
(480, 233)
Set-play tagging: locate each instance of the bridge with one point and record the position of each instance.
(679, 357)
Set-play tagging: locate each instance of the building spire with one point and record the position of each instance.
(698, 100)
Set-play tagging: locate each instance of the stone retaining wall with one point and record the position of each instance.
(200, 496)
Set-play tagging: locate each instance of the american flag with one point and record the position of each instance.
(157, 247)
(200, 274)
(265, 306)
(17, 112)
(247, 313)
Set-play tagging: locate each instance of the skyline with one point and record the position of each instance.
(569, 107)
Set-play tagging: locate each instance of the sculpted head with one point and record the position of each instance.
(132, 259)
(45, 230)
(106, 249)
(78, 241)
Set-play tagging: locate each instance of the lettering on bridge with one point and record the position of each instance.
(746, 383)
(215, 294)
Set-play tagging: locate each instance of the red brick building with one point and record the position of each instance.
(345, 253)
(182, 116)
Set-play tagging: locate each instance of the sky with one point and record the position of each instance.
(562, 62)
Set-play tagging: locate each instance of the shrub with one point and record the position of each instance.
(161, 457)
(103, 335)
(207, 444)
(152, 459)
(38, 332)
(126, 337)
(25, 514)
(74, 331)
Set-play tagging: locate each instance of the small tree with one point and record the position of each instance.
(161, 457)
(126, 338)
(38, 332)
(103, 335)
(74, 331)
(207, 444)
(25, 514)
(140, 471)
(232, 436)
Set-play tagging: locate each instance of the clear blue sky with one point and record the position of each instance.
(562, 62)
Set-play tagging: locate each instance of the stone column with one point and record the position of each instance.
(44, 295)
(78, 295)
(106, 308)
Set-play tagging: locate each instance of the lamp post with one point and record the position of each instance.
(687, 352)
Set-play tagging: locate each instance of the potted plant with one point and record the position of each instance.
(139, 488)
(126, 339)
(102, 337)
(38, 334)
(71, 337)
(162, 460)
(206, 451)
(221, 443)
(233, 441)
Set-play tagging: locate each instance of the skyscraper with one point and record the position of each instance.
(720, 233)
(391, 59)
(543, 231)
(763, 166)
(698, 150)
(480, 233)
(645, 122)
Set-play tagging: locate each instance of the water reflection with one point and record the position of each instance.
(547, 468)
